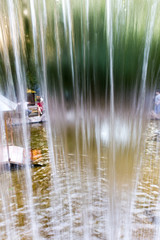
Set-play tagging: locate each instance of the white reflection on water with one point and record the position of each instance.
(124, 132)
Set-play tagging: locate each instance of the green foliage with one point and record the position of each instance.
(78, 52)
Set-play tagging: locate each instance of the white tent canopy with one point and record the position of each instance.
(7, 105)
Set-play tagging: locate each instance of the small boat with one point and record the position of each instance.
(29, 120)
(33, 115)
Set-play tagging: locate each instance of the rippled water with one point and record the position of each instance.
(73, 202)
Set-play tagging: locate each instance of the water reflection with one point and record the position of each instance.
(147, 209)
(78, 206)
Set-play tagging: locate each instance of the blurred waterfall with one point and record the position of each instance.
(96, 65)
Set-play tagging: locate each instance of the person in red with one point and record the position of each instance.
(40, 107)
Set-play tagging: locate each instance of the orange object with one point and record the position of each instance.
(35, 154)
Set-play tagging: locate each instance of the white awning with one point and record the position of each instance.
(7, 105)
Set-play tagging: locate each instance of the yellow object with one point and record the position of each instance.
(30, 91)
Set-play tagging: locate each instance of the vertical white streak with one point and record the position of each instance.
(21, 79)
(147, 47)
(64, 16)
(34, 29)
(87, 13)
(45, 13)
(112, 177)
(70, 39)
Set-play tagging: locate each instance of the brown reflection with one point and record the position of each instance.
(80, 190)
